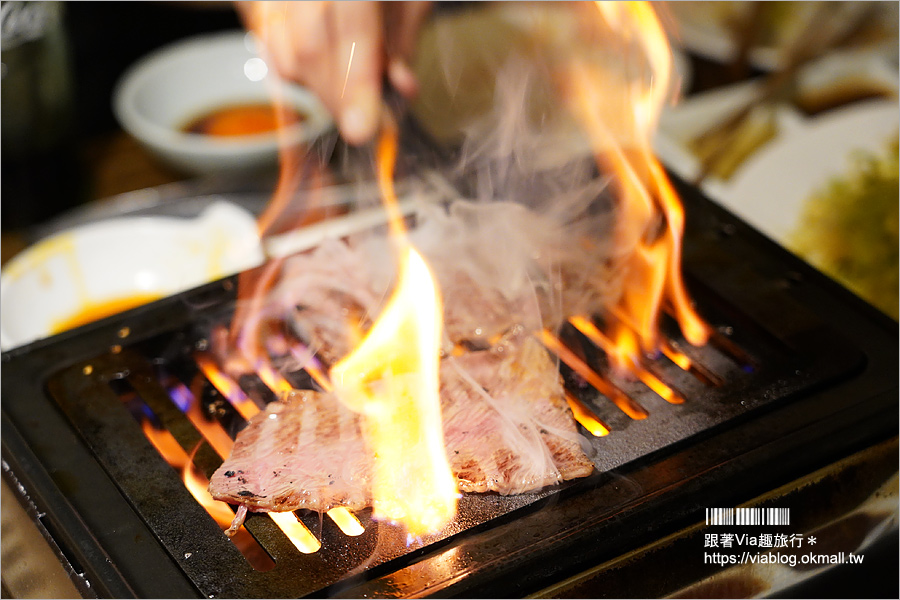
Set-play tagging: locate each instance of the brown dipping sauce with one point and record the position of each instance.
(98, 310)
(242, 119)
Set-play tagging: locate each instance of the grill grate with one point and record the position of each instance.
(784, 336)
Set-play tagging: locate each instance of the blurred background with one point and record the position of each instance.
(62, 146)
(780, 104)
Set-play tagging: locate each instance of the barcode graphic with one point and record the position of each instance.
(748, 516)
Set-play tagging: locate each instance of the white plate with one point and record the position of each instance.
(770, 189)
(123, 259)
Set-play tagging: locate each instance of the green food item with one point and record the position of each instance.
(849, 229)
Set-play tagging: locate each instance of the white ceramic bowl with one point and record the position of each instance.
(121, 259)
(160, 94)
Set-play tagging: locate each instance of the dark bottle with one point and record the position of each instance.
(40, 176)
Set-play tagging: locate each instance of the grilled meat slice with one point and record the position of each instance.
(303, 451)
(499, 266)
(507, 427)
(328, 297)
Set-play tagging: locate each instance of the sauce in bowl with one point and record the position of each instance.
(95, 311)
(238, 120)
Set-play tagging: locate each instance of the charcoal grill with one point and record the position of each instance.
(800, 374)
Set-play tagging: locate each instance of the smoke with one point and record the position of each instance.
(533, 223)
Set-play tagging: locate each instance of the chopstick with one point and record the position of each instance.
(298, 240)
(824, 30)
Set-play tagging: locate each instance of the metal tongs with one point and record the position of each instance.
(394, 113)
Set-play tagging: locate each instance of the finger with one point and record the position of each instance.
(403, 20)
(267, 21)
(402, 25)
(309, 30)
(311, 36)
(295, 38)
(402, 77)
(246, 12)
(359, 46)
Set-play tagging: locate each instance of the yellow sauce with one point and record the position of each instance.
(94, 311)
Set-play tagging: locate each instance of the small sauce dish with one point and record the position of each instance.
(158, 98)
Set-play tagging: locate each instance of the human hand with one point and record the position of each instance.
(341, 51)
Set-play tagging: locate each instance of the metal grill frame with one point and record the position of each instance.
(830, 383)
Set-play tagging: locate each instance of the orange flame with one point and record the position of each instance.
(620, 111)
(624, 353)
(300, 536)
(226, 386)
(196, 484)
(169, 448)
(194, 481)
(586, 417)
(274, 380)
(211, 430)
(346, 521)
(166, 444)
(391, 379)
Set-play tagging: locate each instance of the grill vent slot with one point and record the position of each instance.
(678, 373)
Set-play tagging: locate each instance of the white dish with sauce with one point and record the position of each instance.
(160, 95)
(102, 268)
